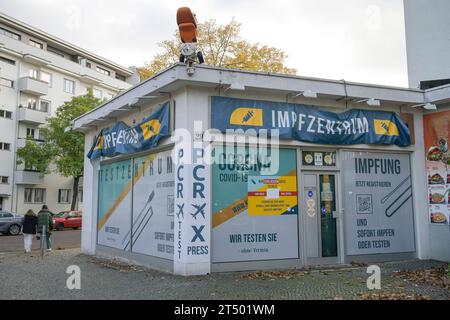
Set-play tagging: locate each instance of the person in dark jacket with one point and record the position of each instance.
(45, 218)
(29, 229)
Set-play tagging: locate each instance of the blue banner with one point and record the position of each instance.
(125, 139)
(310, 124)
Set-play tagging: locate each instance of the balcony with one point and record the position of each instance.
(33, 86)
(22, 141)
(31, 116)
(28, 177)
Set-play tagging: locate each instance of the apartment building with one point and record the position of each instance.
(38, 73)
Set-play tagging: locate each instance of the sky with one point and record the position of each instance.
(355, 40)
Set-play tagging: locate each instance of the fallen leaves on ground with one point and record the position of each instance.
(271, 275)
(436, 276)
(116, 265)
(383, 295)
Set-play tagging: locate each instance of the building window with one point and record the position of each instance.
(31, 104)
(103, 71)
(5, 114)
(6, 82)
(28, 195)
(69, 86)
(44, 106)
(30, 133)
(36, 44)
(55, 51)
(88, 65)
(63, 195)
(39, 195)
(10, 34)
(5, 146)
(97, 93)
(34, 73)
(80, 194)
(46, 77)
(4, 179)
(6, 60)
(120, 77)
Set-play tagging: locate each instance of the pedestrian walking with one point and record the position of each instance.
(29, 229)
(45, 218)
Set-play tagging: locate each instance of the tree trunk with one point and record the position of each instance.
(76, 181)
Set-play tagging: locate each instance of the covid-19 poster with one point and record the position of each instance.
(436, 127)
(255, 204)
(114, 204)
(153, 205)
(378, 202)
(136, 205)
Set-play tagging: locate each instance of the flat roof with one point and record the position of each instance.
(176, 77)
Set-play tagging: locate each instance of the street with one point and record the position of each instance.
(60, 240)
(24, 276)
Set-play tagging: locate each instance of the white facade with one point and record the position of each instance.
(190, 99)
(38, 74)
(427, 25)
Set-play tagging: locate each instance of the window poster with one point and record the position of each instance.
(378, 202)
(437, 135)
(114, 204)
(153, 205)
(255, 204)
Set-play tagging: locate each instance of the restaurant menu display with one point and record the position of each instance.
(437, 136)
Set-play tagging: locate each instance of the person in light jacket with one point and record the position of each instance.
(45, 218)
(29, 229)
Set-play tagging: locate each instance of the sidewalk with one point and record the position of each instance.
(32, 277)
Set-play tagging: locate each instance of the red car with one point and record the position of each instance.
(67, 219)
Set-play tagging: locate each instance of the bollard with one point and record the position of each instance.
(43, 241)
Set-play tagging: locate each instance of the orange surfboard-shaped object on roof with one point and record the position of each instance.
(187, 25)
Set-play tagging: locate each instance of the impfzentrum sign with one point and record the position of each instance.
(125, 139)
(305, 123)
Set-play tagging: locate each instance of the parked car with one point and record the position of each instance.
(10, 223)
(67, 219)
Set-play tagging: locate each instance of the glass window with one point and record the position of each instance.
(80, 194)
(34, 73)
(46, 77)
(28, 195)
(10, 34)
(6, 60)
(5, 114)
(5, 146)
(63, 195)
(3, 179)
(120, 77)
(44, 106)
(6, 82)
(55, 51)
(31, 103)
(103, 71)
(69, 86)
(30, 133)
(39, 195)
(36, 44)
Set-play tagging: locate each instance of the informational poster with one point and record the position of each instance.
(114, 204)
(153, 205)
(437, 135)
(378, 202)
(255, 208)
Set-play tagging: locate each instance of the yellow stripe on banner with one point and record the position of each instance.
(125, 192)
(236, 208)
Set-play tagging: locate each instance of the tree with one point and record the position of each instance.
(221, 46)
(62, 150)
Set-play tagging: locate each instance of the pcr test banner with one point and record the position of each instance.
(255, 215)
(136, 205)
(378, 202)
